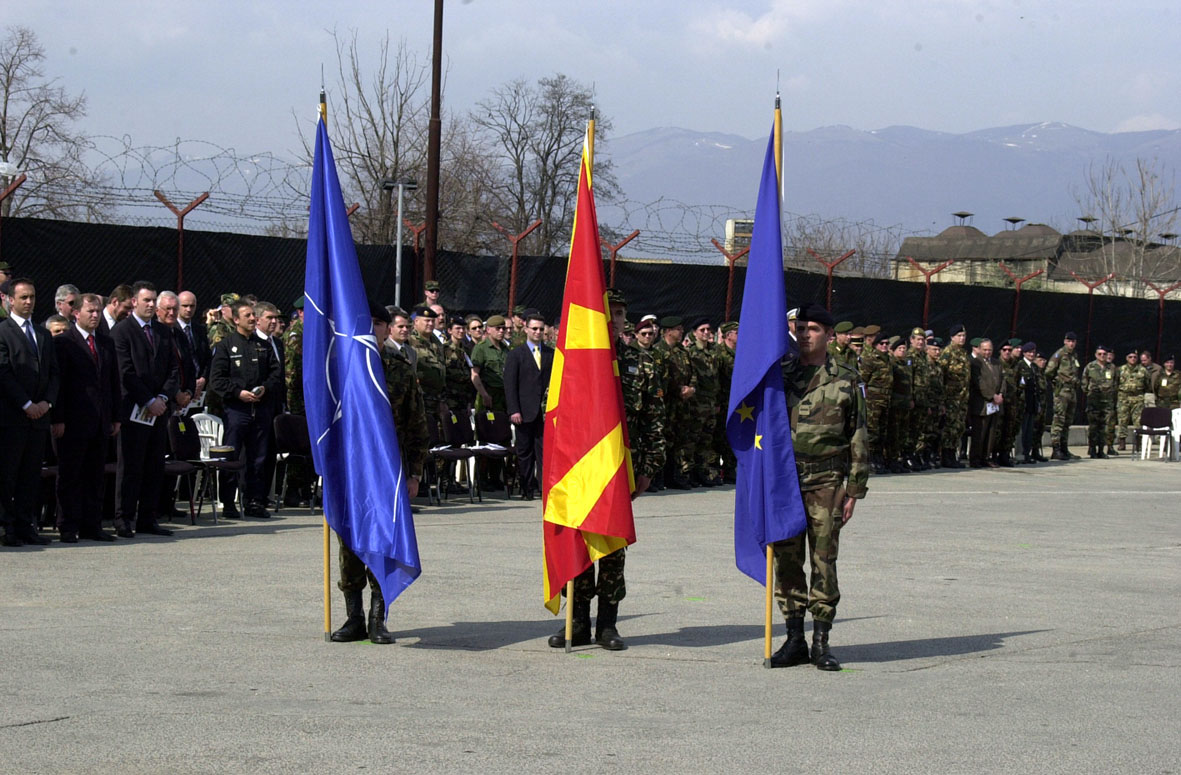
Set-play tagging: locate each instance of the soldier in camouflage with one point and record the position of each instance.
(936, 404)
(704, 405)
(461, 393)
(839, 346)
(679, 386)
(878, 378)
(1167, 385)
(1063, 372)
(827, 411)
(1109, 431)
(724, 352)
(901, 405)
(1132, 384)
(920, 387)
(432, 372)
(410, 426)
(956, 365)
(224, 325)
(1099, 388)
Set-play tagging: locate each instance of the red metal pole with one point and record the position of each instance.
(1091, 286)
(1018, 282)
(417, 231)
(927, 273)
(349, 212)
(516, 240)
(731, 258)
(13, 186)
(1160, 315)
(180, 233)
(828, 267)
(613, 250)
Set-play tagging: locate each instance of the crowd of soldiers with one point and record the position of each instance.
(929, 400)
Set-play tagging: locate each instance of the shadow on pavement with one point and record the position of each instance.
(899, 650)
(479, 636)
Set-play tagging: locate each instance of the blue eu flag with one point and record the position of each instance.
(767, 502)
(350, 422)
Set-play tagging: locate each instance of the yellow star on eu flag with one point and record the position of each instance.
(745, 412)
(758, 441)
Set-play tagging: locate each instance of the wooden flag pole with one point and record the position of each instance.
(767, 610)
(327, 530)
(569, 615)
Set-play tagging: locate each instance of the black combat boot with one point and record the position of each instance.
(1038, 456)
(1059, 453)
(354, 626)
(657, 482)
(580, 634)
(377, 631)
(821, 657)
(933, 459)
(1006, 459)
(794, 650)
(680, 482)
(605, 633)
(1099, 453)
(949, 459)
(1111, 451)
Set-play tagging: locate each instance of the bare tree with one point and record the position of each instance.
(875, 245)
(38, 137)
(378, 126)
(1130, 212)
(537, 131)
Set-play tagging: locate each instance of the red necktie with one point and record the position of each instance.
(93, 352)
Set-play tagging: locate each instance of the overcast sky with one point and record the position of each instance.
(231, 72)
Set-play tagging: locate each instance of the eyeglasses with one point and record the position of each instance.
(646, 332)
(474, 328)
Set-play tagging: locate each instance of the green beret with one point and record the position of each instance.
(628, 328)
(1014, 342)
(895, 341)
(616, 297)
(4, 267)
(672, 321)
(976, 342)
(229, 298)
(495, 320)
(843, 327)
(518, 310)
(729, 326)
(918, 332)
(298, 303)
(872, 330)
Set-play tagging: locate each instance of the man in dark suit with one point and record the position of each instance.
(167, 306)
(266, 328)
(118, 307)
(28, 390)
(149, 380)
(84, 418)
(526, 379)
(196, 338)
(984, 404)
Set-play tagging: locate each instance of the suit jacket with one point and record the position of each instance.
(200, 353)
(89, 394)
(524, 383)
(278, 397)
(987, 380)
(145, 371)
(24, 375)
(187, 367)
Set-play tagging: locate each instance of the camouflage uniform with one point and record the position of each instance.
(1012, 408)
(219, 330)
(704, 411)
(832, 459)
(432, 373)
(411, 430)
(1099, 388)
(293, 345)
(725, 358)
(674, 363)
(920, 387)
(461, 393)
(1062, 372)
(936, 407)
(1166, 387)
(956, 366)
(489, 357)
(900, 409)
(1132, 385)
(878, 377)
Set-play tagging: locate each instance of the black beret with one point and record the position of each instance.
(1029, 347)
(425, 312)
(671, 321)
(698, 322)
(1071, 335)
(958, 328)
(815, 313)
(379, 312)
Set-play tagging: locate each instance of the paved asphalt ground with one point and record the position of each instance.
(997, 621)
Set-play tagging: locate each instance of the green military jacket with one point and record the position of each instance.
(460, 390)
(677, 373)
(704, 366)
(725, 359)
(903, 372)
(956, 365)
(935, 390)
(877, 374)
(489, 357)
(920, 379)
(1167, 388)
(1132, 380)
(409, 411)
(1063, 369)
(643, 403)
(218, 331)
(432, 372)
(1099, 380)
(827, 409)
(293, 366)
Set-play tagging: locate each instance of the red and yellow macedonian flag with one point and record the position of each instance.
(586, 492)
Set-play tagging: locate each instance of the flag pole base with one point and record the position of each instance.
(767, 663)
(327, 638)
(569, 647)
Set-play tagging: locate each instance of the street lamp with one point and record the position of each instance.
(389, 184)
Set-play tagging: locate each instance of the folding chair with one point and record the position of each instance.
(1155, 422)
(458, 438)
(291, 442)
(494, 428)
(182, 441)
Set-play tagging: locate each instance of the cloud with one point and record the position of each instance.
(1147, 122)
(731, 26)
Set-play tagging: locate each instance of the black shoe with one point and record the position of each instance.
(124, 532)
(1111, 451)
(11, 540)
(1027, 460)
(292, 501)
(377, 632)
(1059, 454)
(821, 656)
(33, 538)
(257, 511)
(68, 537)
(580, 631)
(606, 636)
(1039, 457)
(354, 628)
(97, 535)
(153, 529)
(679, 482)
(794, 650)
(230, 512)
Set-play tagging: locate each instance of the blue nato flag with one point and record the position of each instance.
(767, 502)
(350, 422)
